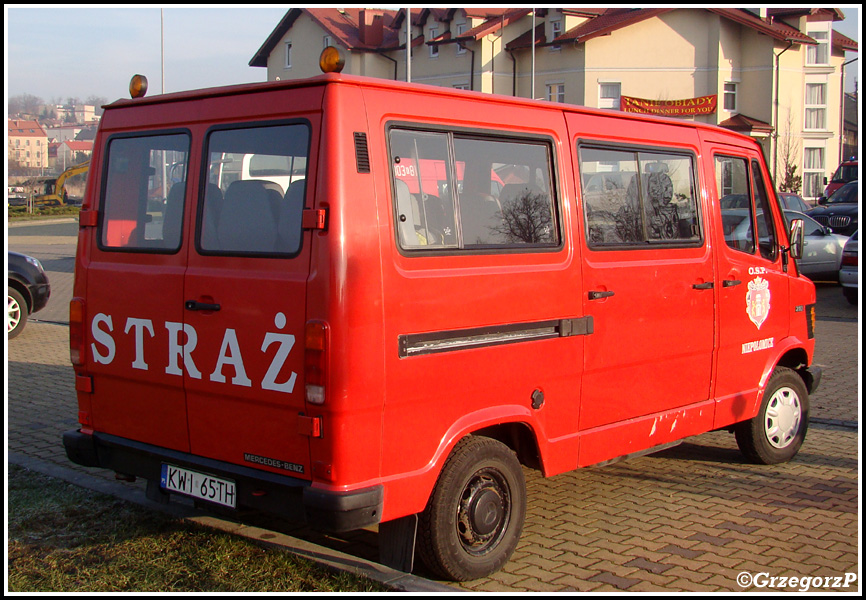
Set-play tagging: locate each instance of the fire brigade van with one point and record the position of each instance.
(316, 325)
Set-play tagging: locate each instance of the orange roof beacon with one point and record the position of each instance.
(352, 301)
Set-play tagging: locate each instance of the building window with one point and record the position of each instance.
(816, 106)
(555, 32)
(608, 94)
(731, 96)
(556, 92)
(434, 48)
(461, 29)
(813, 171)
(820, 54)
(461, 86)
(288, 64)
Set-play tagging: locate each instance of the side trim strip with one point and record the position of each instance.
(480, 337)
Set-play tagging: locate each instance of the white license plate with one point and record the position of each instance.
(198, 485)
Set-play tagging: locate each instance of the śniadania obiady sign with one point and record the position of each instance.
(704, 105)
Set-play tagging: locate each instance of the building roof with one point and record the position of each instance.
(25, 128)
(342, 24)
(746, 125)
(604, 21)
(78, 145)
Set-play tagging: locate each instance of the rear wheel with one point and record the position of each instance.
(16, 310)
(779, 429)
(474, 518)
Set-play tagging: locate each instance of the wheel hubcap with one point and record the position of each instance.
(14, 312)
(483, 512)
(783, 417)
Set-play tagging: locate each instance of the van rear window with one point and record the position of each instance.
(457, 191)
(143, 197)
(638, 197)
(254, 198)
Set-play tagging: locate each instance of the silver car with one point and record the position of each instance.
(848, 272)
(822, 252)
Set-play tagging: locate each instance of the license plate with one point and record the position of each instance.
(198, 485)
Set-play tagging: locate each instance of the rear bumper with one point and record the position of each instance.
(286, 497)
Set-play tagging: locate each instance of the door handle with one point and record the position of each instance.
(193, 305)
(599, 295)
(731, 282)
(703, 286)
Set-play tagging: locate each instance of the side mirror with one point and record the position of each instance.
(822, 200)
(797, 238)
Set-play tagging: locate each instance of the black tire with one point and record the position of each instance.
(17, 312)
(474, 517)
(850, 295)
(779, 429)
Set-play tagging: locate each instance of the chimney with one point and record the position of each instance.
(370, 27)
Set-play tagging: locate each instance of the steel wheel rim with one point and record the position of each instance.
(782, 419)
(14, 313)
(483, 512)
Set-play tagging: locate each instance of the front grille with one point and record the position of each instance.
(836, 222)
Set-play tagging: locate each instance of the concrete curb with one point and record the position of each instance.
(333, 559)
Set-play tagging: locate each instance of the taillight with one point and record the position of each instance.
(315, 360)
(849, 259)
(76, 331)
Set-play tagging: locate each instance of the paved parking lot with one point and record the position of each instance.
(692, 518)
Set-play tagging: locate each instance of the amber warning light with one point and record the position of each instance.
(138, 86)
(331, 60)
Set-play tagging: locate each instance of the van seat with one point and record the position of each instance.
(247, 222)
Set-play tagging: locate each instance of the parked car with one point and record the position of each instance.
(848, 273)
(791, 201)
(847, 171)
(822, 249)
(840, 212)
(28, 291)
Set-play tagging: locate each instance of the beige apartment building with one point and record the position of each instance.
(27, 144)
(774, 74)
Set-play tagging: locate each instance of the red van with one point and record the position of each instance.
(299, 327)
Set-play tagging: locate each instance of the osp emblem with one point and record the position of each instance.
(758, 301)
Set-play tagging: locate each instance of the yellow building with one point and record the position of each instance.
(27, 144)
(774, 74)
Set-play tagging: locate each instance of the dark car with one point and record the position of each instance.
(791, 201)
(27, 293)
(840, 212)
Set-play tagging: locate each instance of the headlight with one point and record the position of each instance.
(35, 262)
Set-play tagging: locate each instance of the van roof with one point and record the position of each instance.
(376, 82)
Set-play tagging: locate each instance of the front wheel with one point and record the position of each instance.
(16, 312)
(475, 515)
(779, 429)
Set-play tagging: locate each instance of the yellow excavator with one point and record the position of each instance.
(55, 192)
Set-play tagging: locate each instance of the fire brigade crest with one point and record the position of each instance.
(758, 301)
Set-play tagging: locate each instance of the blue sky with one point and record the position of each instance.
(59, 52)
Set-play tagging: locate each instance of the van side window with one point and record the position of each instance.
(766, 230)
(638, 197)
(253, 200)
(733, 186)
(143, 198)
(462, 192)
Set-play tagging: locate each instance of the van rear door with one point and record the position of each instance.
(134, 262)
(244, 298)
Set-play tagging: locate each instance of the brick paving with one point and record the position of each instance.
(694, 518)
